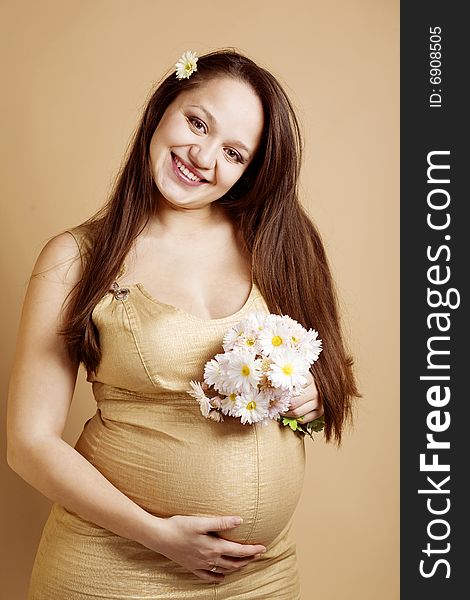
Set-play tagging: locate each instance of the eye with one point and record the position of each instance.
(196, 123)
(234, 155)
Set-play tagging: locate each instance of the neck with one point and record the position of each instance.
(184, 222)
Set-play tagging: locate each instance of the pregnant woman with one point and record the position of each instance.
(203, 227)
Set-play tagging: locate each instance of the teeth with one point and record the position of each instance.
(186, 171)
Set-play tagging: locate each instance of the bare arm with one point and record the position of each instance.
(40, 392)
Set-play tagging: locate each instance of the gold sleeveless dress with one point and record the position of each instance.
(149, 439)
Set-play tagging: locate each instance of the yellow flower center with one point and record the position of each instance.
(276, 341)
(232, 397)
(250, 342)
(265, 364)
(251, 405)
(288, 369)
(295, 339)
(245, 370)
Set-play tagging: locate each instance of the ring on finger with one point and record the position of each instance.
(214, 568)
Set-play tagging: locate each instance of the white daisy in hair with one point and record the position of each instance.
(228, 404)
(276, 335)
(252, 407)
(186, 65)
(203, 400)
(288, 371)
(243, 370)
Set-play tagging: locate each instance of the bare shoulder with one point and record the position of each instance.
(59, 261)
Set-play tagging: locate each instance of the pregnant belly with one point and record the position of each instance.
(172, 461)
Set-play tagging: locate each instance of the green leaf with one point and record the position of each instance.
(292, 423)
(317, 424)
(303, 428)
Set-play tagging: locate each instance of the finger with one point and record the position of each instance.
(218, 568)
(206, 524)
(305, 397)
(209, 575)
(299, 411)
(235, 563)
(310, 381)
(233, 549)
(311, 416)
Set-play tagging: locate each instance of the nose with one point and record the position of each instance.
(203, 155)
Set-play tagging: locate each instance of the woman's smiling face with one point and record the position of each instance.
(204, 142)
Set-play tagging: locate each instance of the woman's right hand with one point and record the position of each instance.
(190, 542)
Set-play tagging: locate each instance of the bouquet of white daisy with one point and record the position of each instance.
(263, 367)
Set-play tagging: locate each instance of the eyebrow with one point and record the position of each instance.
(213, 121)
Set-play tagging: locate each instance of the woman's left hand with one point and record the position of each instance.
(308, 405)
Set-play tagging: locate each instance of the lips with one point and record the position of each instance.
(192, 170)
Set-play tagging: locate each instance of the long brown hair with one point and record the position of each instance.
(290, 266)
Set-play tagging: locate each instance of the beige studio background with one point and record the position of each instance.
(76, 74)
